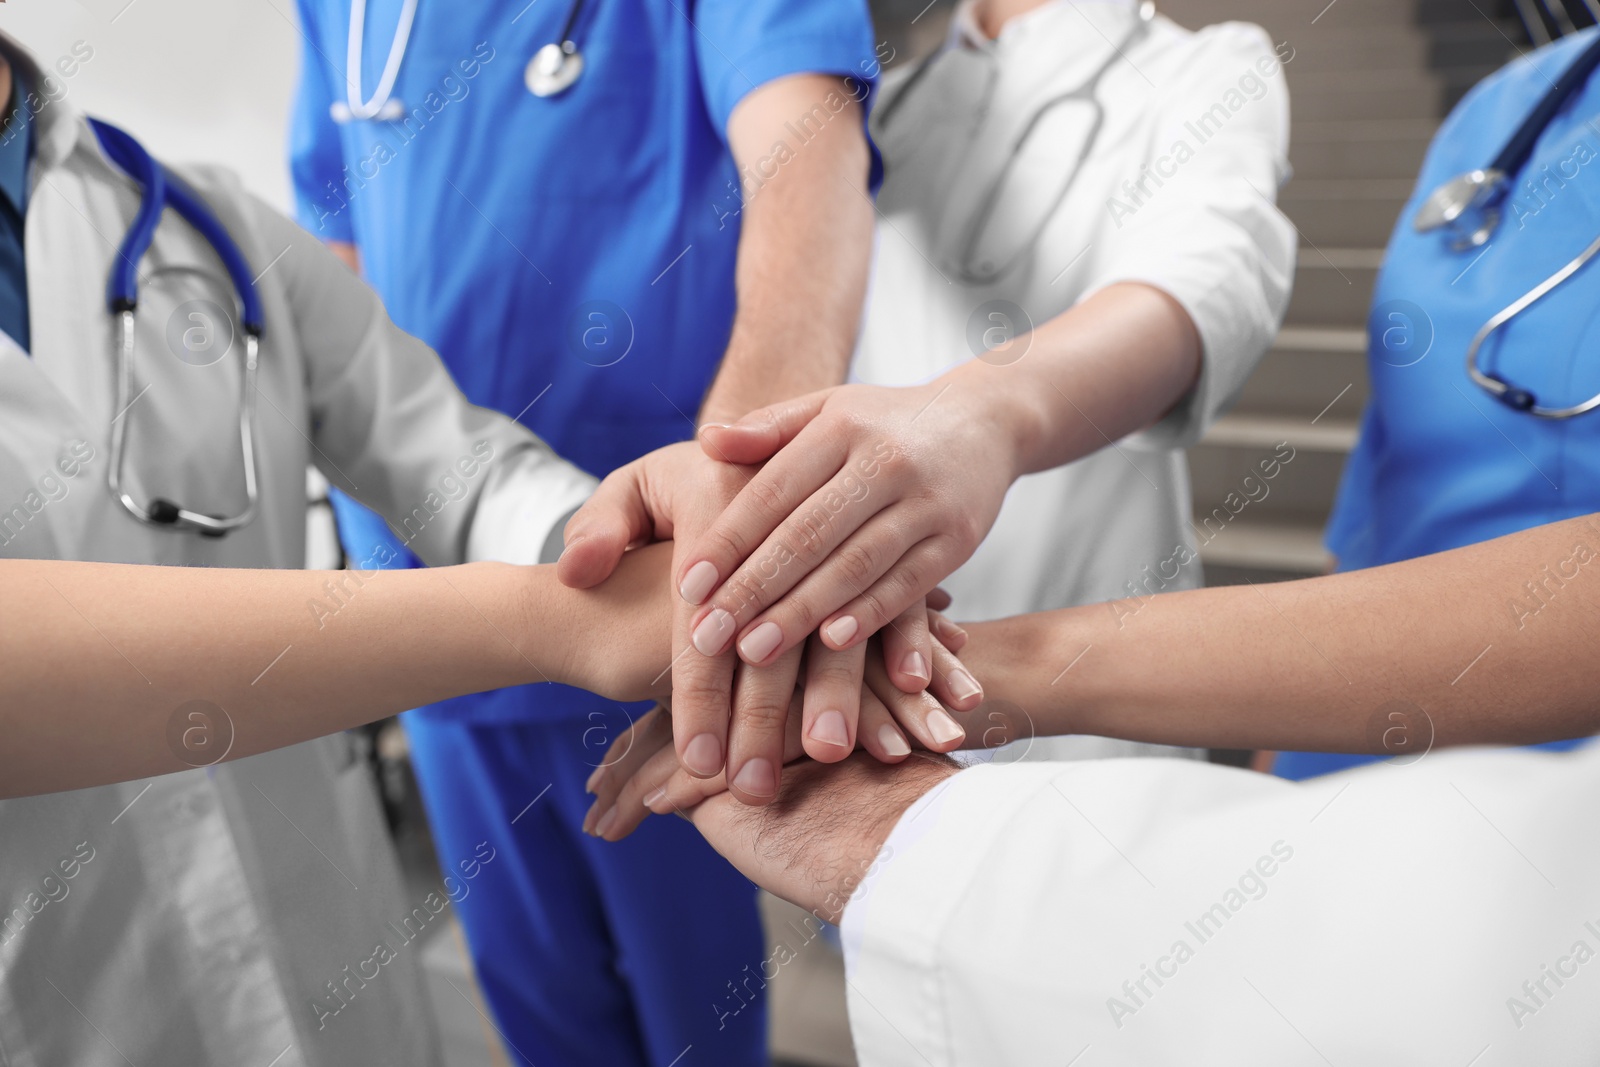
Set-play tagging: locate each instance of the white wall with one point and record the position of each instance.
(193, 79)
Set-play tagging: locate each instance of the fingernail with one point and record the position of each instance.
(594, 779)
(655, 798)
(609, 820)
(703, 756)
(715, 426)
(711, 636)
(756, 778)
(698, 583)
(831, 730)
(964, 685)
(915, 665)
(893, 742)
(943, 728)
(570, 545)
(842, 629)
(761, 642)
(590, 816)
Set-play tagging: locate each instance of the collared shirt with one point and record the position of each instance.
(16, 149)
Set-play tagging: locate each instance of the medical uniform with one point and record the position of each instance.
(1166, 912)
(1172, 195)
(1439, 463)
(572, 259)
(227, 915)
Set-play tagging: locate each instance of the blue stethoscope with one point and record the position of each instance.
(1468, 205)
(550, 72)
(158, 191)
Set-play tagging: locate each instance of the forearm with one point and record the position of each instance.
(1107, 367)
(804, 246)
(1454, 648)
(109, 654)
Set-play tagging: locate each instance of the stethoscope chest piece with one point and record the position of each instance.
(1475, 191)
(553, 69)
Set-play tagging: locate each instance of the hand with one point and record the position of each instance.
(613, 638)
(816, 844)
(873, 496)
(641, 772)
(679, 491)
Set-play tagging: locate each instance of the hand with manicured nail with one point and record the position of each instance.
(869, 496)
(730, 714)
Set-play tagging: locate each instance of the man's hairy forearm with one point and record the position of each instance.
(804, 246)
(1492, 643)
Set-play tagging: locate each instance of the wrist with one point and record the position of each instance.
(1002, 401)
(545, 649)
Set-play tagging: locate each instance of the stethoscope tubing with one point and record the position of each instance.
(158, 191)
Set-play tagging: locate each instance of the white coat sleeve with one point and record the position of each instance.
(1198, 217)
(1165, 911)
(457, 482)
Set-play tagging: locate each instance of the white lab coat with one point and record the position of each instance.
(1117, 522)
(1149, 912)
(215, 906)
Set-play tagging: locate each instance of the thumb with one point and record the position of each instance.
(758, 436)
(597, 535)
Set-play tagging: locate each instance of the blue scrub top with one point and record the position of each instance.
(574, 253)
(1440, 463)
(570, 258)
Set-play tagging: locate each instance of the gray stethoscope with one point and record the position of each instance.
(550, 72)
(1469, 206)
(159, 191)
(988, 271)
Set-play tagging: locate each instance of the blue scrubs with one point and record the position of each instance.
(1440, 463)
(572, 260)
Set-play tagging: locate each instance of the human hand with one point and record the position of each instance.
(819, 840)
(613, 638)
(737, 723)
(641, 772)
(872, 496)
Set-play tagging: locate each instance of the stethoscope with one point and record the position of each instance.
(1469, 205)
(551, 72)
(988, 271)
(158, 191)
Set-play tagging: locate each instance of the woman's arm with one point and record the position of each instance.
(112, 672)
(1492, 643)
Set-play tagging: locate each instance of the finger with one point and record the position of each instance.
(650, 735)
(919, 714)
(702, 700)
(905, 583)
(887, 558)
(599, 532)
(939, 599)
(953, 685)
(946, 632)
(679, 793)
(634, 796)
(908, 649)
(766, 519)
(762, 696)
(878, 733)
(759, 435)
(832, 700)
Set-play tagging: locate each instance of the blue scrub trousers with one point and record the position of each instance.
(588, 952)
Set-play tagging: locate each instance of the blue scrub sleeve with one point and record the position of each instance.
(743, 44)
(316, 155)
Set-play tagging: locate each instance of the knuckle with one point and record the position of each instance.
(767, 492)
(872, 608)
(723, 543)
(858, 563)
(834, 675)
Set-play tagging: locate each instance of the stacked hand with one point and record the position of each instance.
(868, 497)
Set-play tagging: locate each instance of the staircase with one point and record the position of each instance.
(1369, 83)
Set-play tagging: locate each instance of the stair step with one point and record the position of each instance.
(1267, 431)
(1309, 383)
(1333, 286)
(1348, 212)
